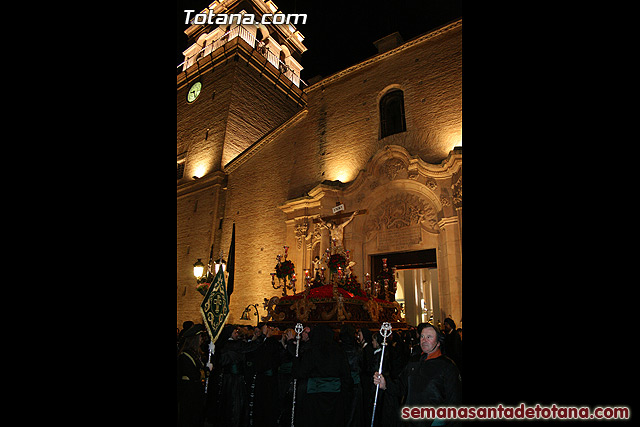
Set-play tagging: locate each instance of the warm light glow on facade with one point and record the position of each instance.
(455, 140)
(200, 171)
(343, 174)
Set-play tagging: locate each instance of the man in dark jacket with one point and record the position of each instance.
(433, 381)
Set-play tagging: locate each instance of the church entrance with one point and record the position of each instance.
(417, 288)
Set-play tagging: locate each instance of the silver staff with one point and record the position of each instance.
(298, 330)
(212, 349)
(385, 331)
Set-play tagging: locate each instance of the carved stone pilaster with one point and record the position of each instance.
(300, 232)
(457, 188)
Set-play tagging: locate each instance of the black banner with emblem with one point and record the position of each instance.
(215, 306)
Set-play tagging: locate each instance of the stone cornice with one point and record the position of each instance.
(191, 186)
(435, 33)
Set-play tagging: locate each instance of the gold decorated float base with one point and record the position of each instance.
(334, 306)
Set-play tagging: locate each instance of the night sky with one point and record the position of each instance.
(341, 34)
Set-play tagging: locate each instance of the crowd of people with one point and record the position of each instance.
(247, 379)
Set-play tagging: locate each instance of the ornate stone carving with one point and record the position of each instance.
(457, 192)
(400, 211)
(301, 233)
(392, 167)
(316, 235)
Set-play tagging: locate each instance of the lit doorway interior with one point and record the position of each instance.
(417, 290)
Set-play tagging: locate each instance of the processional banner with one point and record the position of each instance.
(215, 306)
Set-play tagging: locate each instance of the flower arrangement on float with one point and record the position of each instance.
(285, 269)
(337, 261)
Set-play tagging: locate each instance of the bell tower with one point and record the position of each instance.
(239, 80)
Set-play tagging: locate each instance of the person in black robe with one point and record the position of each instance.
(387, 405)
(262, 380)
(233, 393)
(366, 375)
(354, 356)
(300, 384)
(452, 343)
(326, 370)
(285, 378)
(190, 376)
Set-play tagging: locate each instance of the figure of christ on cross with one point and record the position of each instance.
(337, 230)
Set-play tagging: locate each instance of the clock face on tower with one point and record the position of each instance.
(194, 91)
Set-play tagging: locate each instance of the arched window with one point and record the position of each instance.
(392, 113)
(283, 58)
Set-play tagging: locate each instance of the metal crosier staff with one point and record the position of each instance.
(385, 331)
(212, 349)
(299, 328)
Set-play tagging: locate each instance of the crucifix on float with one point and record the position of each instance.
(337, 229)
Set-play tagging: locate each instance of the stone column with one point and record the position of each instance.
(450, 268)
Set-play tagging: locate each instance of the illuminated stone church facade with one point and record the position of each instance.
(259, 148)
